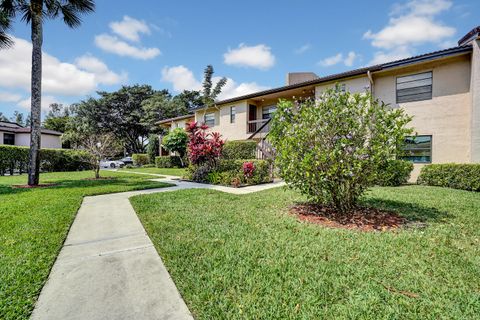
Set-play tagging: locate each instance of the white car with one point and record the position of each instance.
(112, 164)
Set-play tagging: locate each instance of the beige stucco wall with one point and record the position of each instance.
(229, 131)
(447, 116)
(47, 141)
(359, 84)
(475, 85)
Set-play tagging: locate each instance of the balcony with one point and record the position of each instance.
(254, 125)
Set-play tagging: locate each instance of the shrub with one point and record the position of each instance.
(15, 158)
(331, 148)
(203, 147)
(393, 173)
(176, 141)
(236, 172)
(242, 149)
(140, 159)
(451, 175)
(168, 162)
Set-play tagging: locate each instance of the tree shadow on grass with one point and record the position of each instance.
(413, 212)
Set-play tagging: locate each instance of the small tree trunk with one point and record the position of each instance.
(36, 94)
(97, 171)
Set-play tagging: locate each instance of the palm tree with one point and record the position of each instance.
(34, 12)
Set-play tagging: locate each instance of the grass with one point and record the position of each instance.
(244, 257)
(33, 227)
(167, 171)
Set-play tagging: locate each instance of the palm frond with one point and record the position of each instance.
(70, 10)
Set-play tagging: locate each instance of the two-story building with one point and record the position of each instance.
(440, 89)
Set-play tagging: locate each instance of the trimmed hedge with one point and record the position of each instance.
(168, 162)
(15, 158)
(231, 173)
(240, 149)
(451, 175)
(140, 159)
(394, 173)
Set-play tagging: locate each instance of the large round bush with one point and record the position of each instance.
(332, 148)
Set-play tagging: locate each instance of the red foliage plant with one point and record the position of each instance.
(248, 169)
(203, 147)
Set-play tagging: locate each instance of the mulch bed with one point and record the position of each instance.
(26, 186)
(363, 219)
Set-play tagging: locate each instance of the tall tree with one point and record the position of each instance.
(3, 117)
(57, 117)
(35, 12)
(211, 92)
(18, 117)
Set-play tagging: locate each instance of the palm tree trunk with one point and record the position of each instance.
(35, 133)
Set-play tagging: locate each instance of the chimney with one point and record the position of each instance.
(472, 35)
(298, 77)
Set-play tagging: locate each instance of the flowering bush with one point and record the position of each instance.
(248, 169)
(203, 147)
(332, 148)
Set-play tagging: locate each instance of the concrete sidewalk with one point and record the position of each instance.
(109, 269)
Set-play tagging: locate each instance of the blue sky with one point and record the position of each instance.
(167, 44)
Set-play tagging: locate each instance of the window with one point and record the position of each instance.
(267, 112)
(418, 149)
(209, 119)
(415, 87)
(9, 138)
(232, 114)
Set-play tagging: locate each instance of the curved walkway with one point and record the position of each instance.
(108, 267)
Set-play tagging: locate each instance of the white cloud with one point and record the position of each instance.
(411, 25)
(303, 48)
(339, 58)
(183, 78)
(100, 70)
(58, 77)
(9, 97)
(130, 28)
(114, 45)
(46, 102)
(330, 61)
(259, 56)
(350, 59)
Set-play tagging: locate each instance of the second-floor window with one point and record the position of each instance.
(232, 114)
(209, 119)
(414, 87)
(267, 112)
(9, 138)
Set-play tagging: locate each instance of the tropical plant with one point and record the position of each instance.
(35, 12)
(331, 149)
(176, 141)
(203, 147)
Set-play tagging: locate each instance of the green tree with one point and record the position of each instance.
(3, 117)
(35, 12)
(209, 91)
(331, 149)
(176, 141)
(153, 147)
(57, 117)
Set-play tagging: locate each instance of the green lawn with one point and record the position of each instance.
(167, 171)
(244, 257)
(34, 224)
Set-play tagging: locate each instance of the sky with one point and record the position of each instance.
(167, 44)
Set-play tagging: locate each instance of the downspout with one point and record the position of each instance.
(369, 75)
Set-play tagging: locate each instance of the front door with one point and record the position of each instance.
(252, 116)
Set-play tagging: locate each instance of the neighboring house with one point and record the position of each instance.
(441, 90)
(14, 134)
